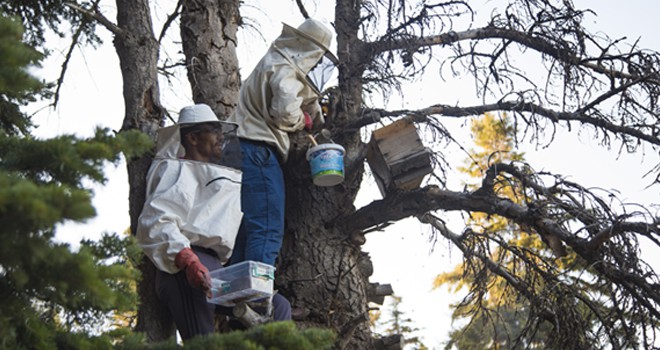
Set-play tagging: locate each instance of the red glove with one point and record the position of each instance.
(196, 273)
(309, 124)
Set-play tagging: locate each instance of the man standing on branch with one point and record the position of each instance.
(281, 96)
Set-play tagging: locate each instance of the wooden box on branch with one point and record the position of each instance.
(397, 157)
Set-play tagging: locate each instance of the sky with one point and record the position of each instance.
(401, 254)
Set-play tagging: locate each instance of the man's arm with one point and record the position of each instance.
(165, 210)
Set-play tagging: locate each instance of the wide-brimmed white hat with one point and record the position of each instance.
(316, 32)
(199, 113)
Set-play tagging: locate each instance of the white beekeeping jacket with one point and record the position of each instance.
(274, 96)
(188, 203)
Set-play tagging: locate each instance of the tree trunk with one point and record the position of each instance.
(208, 35)
(137, 49)
(319, 269)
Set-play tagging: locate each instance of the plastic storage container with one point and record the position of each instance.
(245, 281)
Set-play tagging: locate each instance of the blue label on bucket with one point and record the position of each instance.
(327, 161)
(327, 164)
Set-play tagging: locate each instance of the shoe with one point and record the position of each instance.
(299, 314)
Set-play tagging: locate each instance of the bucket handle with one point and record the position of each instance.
(312, 139)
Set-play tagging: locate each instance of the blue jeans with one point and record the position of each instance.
(262, 201)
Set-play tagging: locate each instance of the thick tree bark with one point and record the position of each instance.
(208, 35)
(320, 269)
(137, 49)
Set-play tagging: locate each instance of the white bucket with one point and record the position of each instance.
(327, 164)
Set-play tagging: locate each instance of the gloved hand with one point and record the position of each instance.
(309, 123)
(197, 274)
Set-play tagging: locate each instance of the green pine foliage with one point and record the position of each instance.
(16, 85)
(16, 82)
(272, 336)
(52, 296)
(52, 16)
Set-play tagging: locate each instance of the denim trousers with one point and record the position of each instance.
(262, 202)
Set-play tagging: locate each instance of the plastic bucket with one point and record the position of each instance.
(327, 164)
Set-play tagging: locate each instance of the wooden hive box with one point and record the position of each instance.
(397, 157)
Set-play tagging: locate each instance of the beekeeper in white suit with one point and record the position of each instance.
(191, 216)
(280, 96)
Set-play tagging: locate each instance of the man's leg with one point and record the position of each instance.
(281, 308)
(262, 201)
(192, 314)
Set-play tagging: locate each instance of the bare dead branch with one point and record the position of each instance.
(525, 39)
(550, 301)
(109, 25)
(65, 64)
(74, 43)
(512, 279)
(303, 10)
(544, 212)
(516, 106)
(170, 19)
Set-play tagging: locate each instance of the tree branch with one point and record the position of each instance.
(548, 216)
(349, 328)
(513, 280)
(401, 205)
(525, 39)
(303, 10)
(109, 25)
(65, 64)
(170, 20)
(512, 106)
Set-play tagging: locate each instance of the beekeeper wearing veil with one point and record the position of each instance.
(191, 215)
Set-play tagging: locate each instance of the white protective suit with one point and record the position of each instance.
(188, 203)
(272, 97)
